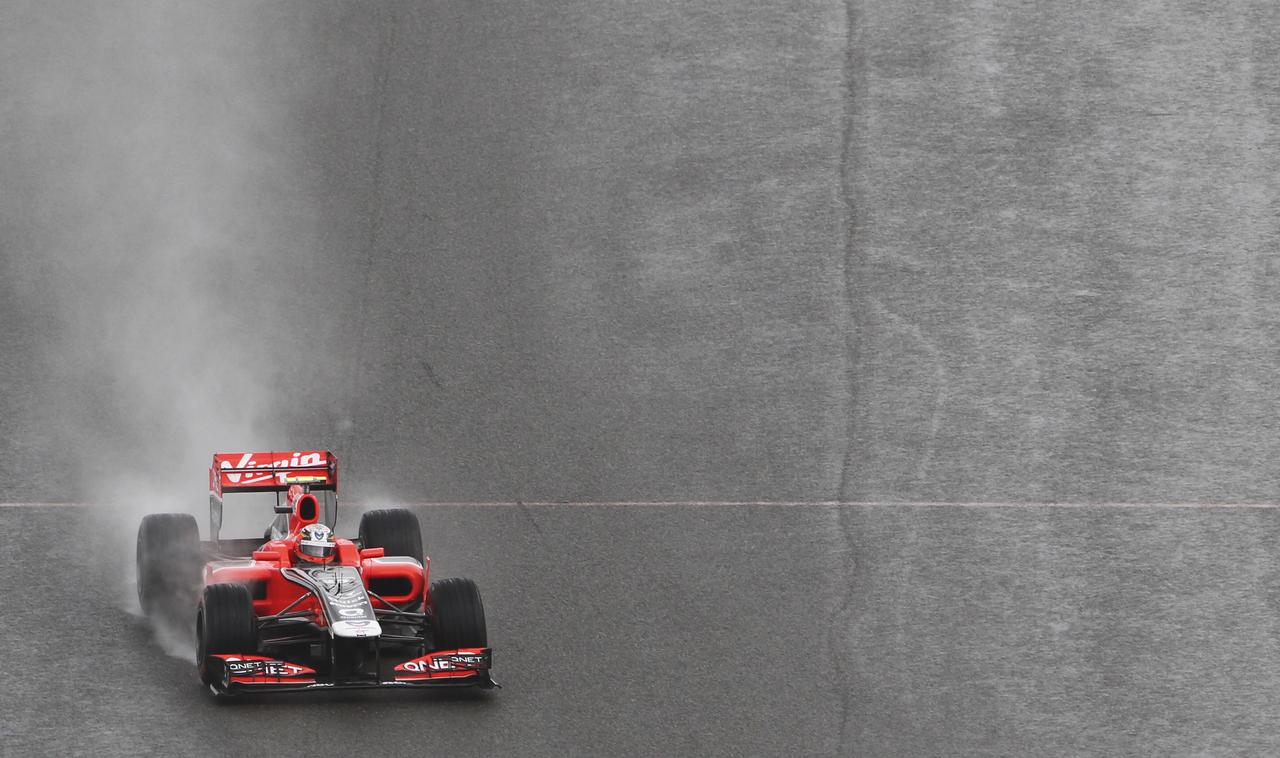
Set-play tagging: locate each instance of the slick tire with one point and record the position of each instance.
(457, 615)
(225, 623)
(168, 562)
(395, 530)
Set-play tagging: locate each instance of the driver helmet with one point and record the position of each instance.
(316, 543)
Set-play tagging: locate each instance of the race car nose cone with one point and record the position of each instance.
(357, 628)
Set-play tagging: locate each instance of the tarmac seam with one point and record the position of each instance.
(856, 322)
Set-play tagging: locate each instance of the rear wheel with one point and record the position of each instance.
(225, 623)
(168, 563)
(457, 615)
(395, 530)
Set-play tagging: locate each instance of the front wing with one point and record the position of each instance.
(464, 667)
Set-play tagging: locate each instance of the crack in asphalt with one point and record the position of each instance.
(849, 261)
(838, 642)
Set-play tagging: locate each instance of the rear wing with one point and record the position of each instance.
(272, 472)
(267, 472)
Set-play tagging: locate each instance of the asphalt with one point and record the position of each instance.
(719, 630)
(617, 631)
(882, 253)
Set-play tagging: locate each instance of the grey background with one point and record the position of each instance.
(889, 252)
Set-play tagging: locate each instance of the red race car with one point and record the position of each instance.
(303, 609)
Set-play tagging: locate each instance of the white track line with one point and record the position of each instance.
(758, 504)
(836, 504)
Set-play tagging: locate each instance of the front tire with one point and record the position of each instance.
(168, 558)
(225, 623)
(457, 615)
(395, 530)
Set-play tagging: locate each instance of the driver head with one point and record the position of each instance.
(316, 543)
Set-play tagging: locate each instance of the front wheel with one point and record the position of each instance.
(457, 615)
(225, 623)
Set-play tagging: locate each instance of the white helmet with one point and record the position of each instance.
(316, 543)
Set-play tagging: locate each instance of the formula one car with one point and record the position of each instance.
(302, 609)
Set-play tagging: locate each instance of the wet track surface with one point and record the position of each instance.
(996, 253)
(616, 631)
(727, 630)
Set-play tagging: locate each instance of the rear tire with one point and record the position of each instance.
(225, 623)
(457, 615)
(168, 563)
(395, 530)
